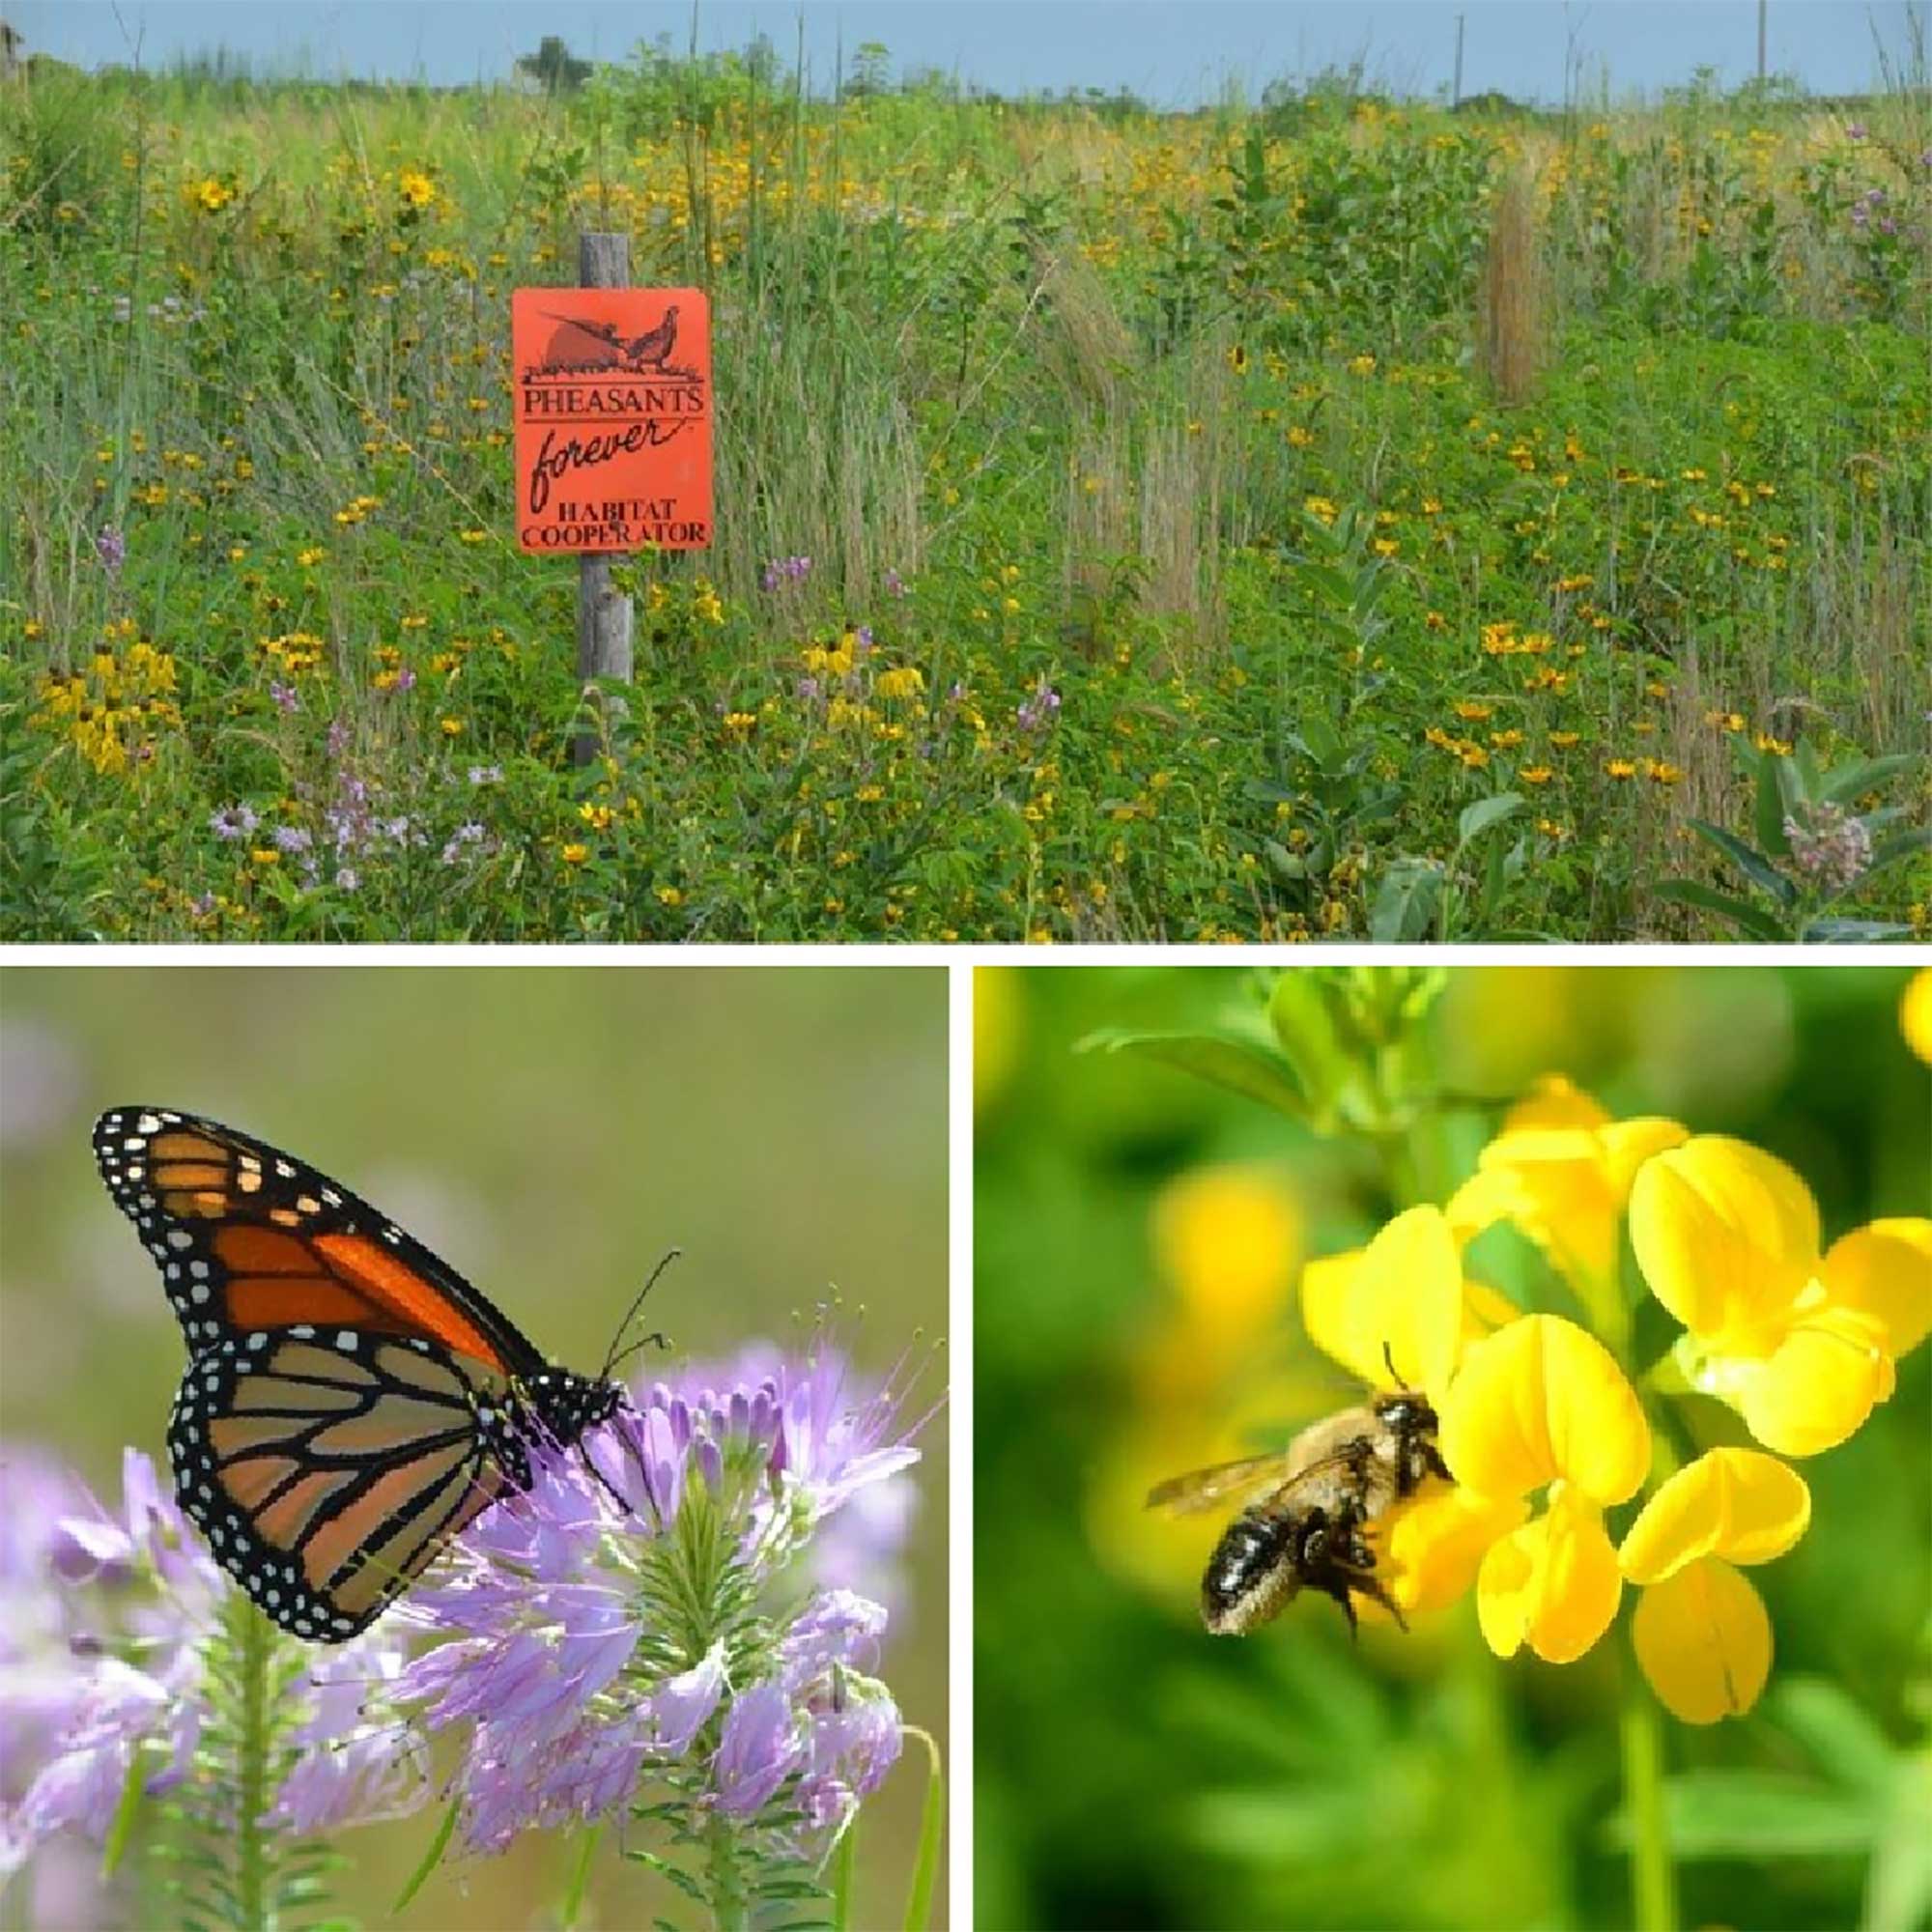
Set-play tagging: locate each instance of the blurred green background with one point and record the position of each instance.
(551, 1131)
(1131, 1770)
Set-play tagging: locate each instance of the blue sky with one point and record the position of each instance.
(1174, 54)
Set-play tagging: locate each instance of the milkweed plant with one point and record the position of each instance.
(670, 1644)
(1548, 1427)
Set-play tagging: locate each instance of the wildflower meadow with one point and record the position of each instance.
(1661, 1656)
(1315, 515)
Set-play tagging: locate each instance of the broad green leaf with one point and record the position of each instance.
(1754, 865)
(1304, 1029)
(1232, 1064)
(1753, 920)
(1406, 901)
(1477, 818)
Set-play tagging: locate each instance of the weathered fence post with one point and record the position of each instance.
(603, 614)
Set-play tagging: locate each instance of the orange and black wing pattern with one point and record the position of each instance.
(350, 1403)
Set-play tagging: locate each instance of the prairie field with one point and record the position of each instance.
(1323, 516)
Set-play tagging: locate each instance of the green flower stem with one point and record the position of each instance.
(730, 1909)
(253, 1646)
(1653, 1875)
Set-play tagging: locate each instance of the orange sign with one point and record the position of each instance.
(613, 418)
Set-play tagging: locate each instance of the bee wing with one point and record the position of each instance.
(1203, 1489)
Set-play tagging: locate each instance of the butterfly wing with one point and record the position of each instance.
(248, 1237)
(327, 1474)
(351, 1402)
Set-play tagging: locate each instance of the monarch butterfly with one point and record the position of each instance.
(351, 1402)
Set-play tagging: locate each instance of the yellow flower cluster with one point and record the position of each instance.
(1800, 1340)
(115, 710)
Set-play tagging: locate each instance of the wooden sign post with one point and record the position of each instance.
(613, 429)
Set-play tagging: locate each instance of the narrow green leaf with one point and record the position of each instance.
(1866, 774)
(1753, 920)
(931, 1828)
(1754, 865)
(1761, 1815)
(844, 1864)
(1228, 1063)
(1851, 931)
(1770, 812)
(1901, 845)
(431, 1859)
(133, 1789)
(578, 1881)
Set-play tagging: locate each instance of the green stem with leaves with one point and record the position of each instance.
(254, 1641)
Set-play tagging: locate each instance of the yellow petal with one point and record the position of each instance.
(1885, 1271)
(1819, 1383)
(1435, 1543)
(1403, 1293)
(1325, 1285)
(1554, 1100)
(1226, 1236)
(1483, 1200)
(1628, 1144)
(1735, 1504)
(1542, 1401)
(1914, 1014)
(1726, 1236)
(1704, 1641)
(1553, 1584)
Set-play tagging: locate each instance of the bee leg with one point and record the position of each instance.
(1370, 1586)
(1338, 1588)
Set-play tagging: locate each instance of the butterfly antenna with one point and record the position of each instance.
(612, 1358)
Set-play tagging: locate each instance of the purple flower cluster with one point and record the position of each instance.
(602, 1629)
(234, 821)
(111, 548)
(783, 570)
(1829, 846)
(1866, 212)
(106, 1622)
(1040, 710)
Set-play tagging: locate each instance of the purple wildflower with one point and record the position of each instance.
(895, 583)
(764, 1740)
(785, 570)
(284, 698)
(460, 841)
(1041, 709)
(234, 821)
(585, 1647)
(126, 1616)
(111, 548)
(292, 838)
(1855, 130)
(347, 879)
(486, 775)
(405, 683)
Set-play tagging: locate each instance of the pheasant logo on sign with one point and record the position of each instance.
(613, 417)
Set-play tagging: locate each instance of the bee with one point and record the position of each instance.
(1304, 1528)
